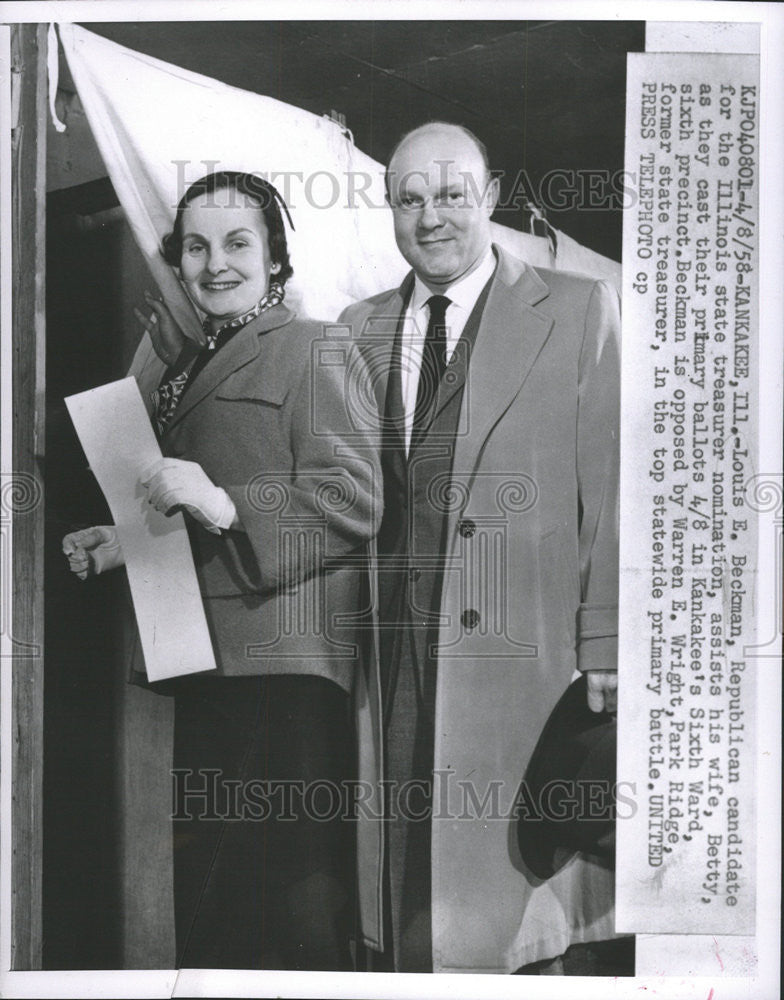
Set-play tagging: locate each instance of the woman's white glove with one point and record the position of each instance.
(173, 482)
(93, 550)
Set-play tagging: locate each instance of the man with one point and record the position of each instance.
(497, 567)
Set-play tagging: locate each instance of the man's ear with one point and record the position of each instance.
(492, 195)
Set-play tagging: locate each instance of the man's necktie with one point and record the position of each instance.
(433, 367)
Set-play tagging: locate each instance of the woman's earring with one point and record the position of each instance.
(275, 268)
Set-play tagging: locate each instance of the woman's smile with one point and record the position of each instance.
(219, 286)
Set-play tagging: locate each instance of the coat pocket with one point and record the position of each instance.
(254, 385)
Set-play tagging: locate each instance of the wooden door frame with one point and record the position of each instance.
(22, 508)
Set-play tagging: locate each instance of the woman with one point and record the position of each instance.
(279, 491)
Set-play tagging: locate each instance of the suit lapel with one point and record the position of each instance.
(457, 370)
(243, 347)
(511, 335)
(495, 363)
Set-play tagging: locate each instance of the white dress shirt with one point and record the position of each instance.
(462, 295)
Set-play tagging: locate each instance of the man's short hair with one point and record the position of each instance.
(461, 128)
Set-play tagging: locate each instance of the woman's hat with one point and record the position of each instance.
(567, 800)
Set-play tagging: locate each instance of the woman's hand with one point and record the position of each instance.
(167, 338)
(93, 550)
(173, 483)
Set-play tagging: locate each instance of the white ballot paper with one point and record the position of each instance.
(120, 446)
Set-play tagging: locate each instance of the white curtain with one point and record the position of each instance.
(159, 127)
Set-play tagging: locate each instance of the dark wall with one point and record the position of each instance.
(79, 863)
(94, 275)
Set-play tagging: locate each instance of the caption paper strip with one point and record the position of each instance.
(118, 440)
(686, 857)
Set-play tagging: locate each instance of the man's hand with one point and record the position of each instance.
(167, 338)
(602, 690)
(93, 550)
(173, 482)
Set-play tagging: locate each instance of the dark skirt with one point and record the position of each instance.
(262, 827)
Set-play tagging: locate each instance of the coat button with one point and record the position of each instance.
(467, 528)
(414, 574)
(470, 618)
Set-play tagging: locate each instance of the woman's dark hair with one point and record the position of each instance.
(256, 188)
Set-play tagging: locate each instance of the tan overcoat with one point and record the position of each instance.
(532, 554)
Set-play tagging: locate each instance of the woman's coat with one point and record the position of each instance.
(279, 420)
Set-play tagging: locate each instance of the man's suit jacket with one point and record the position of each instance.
(275, 420)
(529, 594)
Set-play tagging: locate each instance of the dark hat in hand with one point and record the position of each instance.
(567, 800)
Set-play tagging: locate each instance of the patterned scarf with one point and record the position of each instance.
(167, 396)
